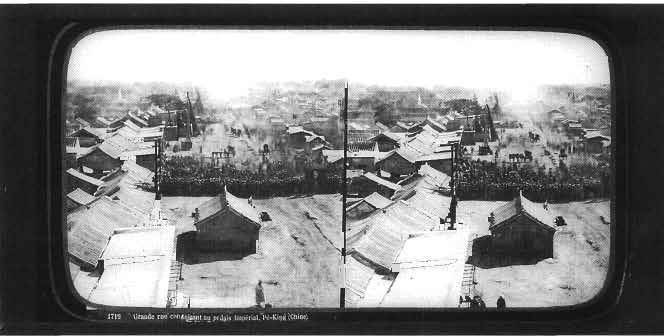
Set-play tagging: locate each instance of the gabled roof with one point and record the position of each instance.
(385, 183)
(297, 129)
(392, 136)
(434, 125)
(137, 265)
(116, 145)
(83, 177)
(228, 201)
(375, 200)
(333, 155)
(434, 176)
(92, 227)
(98, 133)
(435, 157)
(81, 197)
(521, 205)
(404, 152)
(358, 277)
(310, 138)
(388, 229)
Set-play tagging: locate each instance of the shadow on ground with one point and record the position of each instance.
(484, 256)
(188, 254)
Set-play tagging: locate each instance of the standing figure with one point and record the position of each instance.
(501, 303)
(260, 296)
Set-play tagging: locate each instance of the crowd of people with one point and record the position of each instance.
(185, 176)
(490, 181)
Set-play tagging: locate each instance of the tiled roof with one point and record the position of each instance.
(81, 197)
(357, 279)
(373, 177)
(239, 206)
(92, 226)
(435, 157)
(388, 229)
(521, 205)
(377, 201)
(116, 145)
(406, 153)
(81, 176)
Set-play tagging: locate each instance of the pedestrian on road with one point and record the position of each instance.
(260, 296)
(500, 303)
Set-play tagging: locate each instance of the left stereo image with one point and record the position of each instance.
(203, 169)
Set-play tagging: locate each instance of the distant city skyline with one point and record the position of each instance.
(226, 63)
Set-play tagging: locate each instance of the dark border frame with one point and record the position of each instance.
(47, 22)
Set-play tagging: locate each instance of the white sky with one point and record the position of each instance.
(227, 62)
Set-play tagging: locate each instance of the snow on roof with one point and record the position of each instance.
(434, 176)
(92, 226)
(358, 277)
(81, 197)
(375, 178)
(387, 230)
(139, 152)
(521, 205)
(310, 138)
(435, 157)
(408, 154)
(139, 242)
(428, 287)
(297, 129)
(377, 201)
(239, 206)
(396, 137)
(333, 155)
(433, 248)
(115, 146)
(96, 132)
(136, 268)
(81, 176)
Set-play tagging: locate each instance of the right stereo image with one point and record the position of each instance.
(479, 171)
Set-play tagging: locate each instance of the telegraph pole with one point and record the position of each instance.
(157, 168)
(453, 202)
(344, 109)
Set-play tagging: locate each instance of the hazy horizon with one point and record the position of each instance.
(226, 63)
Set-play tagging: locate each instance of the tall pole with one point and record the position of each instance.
(345, 118)
(453, 202)
(342, 297)
(157, 167)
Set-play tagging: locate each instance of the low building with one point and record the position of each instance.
(136, 268)
(369, 183)
(378, 239)
(89, 136)
(387, 141)
(106, 156)
(78, 180)
(521, 231)
(227, 223)
(596, 143)
(399, 162)
(77, 198)
(366, 206)
(441, 161)
(91, 227)
(364, 160)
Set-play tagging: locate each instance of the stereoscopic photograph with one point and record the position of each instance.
(479, 171)
(204, 169)
(230, 168)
